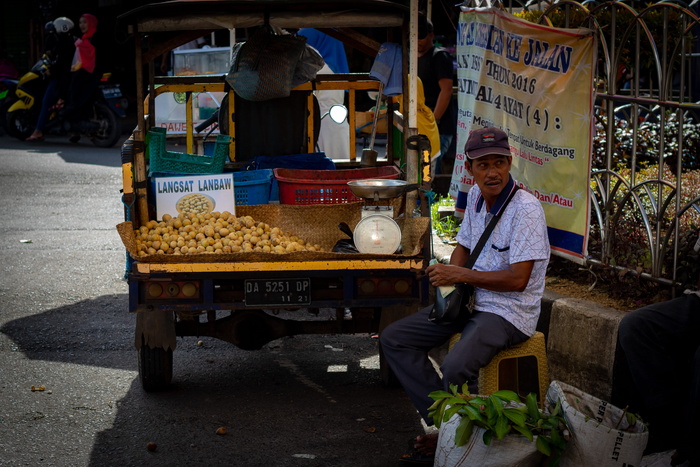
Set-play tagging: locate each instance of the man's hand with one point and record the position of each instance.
(444, 274)
(513, 279)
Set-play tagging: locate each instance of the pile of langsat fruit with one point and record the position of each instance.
(214, 232)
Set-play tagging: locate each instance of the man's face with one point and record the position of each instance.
(425, 44)
(490, 173)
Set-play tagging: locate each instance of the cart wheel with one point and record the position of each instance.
(155, 368)
(389, 379)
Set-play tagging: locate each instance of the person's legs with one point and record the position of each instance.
(82, 88)
(656, 346)
(445, 141)
(49, 99)
(405, 345)
(435, 163)
(687, 449)
(482, 338)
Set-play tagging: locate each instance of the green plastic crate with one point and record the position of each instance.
(164, 161)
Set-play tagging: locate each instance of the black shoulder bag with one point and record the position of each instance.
(456, 307)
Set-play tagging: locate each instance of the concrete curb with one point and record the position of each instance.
(581, 337)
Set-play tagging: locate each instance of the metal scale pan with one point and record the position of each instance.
(377, 232)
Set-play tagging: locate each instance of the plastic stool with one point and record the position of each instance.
(490, 379)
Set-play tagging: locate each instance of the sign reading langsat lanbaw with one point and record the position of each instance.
(536, 83)
(194, 194)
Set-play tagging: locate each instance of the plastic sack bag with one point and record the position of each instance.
(600, 432)
(511, 451)
(262, 68)
(309, 64)
(77, 62)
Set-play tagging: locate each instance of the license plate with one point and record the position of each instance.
(111, 93)
(269, 292)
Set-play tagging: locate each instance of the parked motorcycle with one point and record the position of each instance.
(102, 126)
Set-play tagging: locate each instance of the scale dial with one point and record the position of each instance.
(377, 234)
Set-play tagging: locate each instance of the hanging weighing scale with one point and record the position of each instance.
(377, 232)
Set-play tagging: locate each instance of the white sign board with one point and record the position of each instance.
(198, 194)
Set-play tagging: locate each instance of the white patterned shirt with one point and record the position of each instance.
(520, 235)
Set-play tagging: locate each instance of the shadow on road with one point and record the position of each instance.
(77, 333)
(304, 400)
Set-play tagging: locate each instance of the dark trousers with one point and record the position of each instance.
(56, 89)
(657, 372)
(50, 98)
(405, 344)
(82, 89)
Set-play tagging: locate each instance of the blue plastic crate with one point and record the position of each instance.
(311, 161)
(252, 186)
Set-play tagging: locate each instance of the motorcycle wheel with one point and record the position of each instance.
(21, 123)
(110, 126)
(4, 106)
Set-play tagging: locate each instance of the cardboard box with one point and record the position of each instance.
(363, 122)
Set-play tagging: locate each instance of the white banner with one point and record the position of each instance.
(536, 83)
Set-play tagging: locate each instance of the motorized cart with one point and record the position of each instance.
(229, 287)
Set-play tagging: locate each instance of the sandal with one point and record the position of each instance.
(424, 454)
(417, 458)
(33, 139)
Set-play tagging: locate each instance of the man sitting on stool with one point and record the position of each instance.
(508, 277)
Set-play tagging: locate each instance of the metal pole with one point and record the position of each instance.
(412, 162)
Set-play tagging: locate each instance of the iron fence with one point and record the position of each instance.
(645, 176)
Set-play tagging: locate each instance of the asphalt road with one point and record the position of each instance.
(64, 325)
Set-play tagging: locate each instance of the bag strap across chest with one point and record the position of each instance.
(474, 254)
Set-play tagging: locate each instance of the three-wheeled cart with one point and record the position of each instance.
(233, 296)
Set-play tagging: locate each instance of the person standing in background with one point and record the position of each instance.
(60, 51)
(86, 71)
(333, 138)
(436, 70)
(331, 49)
(426, 124)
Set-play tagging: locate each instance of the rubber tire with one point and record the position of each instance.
(4, 107)
(155, 368)
(112, 126)
(21, 123)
